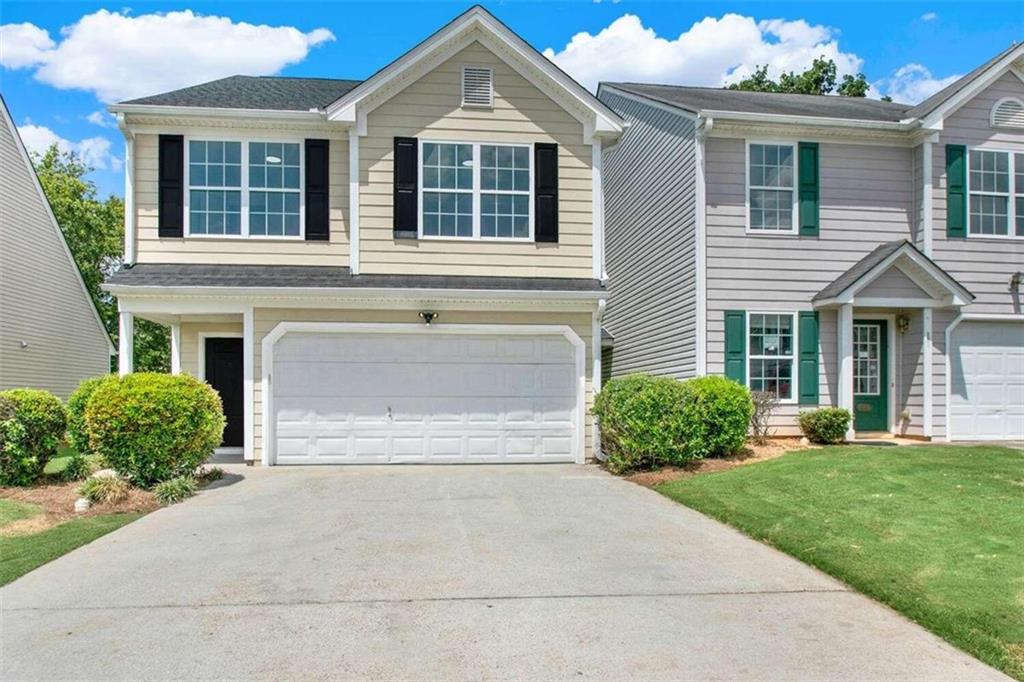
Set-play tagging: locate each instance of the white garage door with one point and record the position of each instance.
(424, 397)
(987, 383)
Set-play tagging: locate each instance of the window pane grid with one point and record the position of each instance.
(770, 341)
(771, 178)
(866, 365)
(990, 201)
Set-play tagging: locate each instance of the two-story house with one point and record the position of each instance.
(827, 250)
(402, 269)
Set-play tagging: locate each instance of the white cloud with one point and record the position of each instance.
(119, 57)
(712, 52)
(911, 84)
(94, 151)
(103, 119)
(929, 16)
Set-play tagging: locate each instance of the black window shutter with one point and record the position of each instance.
(171, 182)
(318, 214)
(545, 189)
(406, 172)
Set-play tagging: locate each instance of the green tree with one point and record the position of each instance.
(94, 230)
(819, 79)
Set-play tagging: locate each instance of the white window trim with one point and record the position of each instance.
(796, 181)
(245, 189)
(462, 86)
(794, 397)
(1011, 208)
(476, 192)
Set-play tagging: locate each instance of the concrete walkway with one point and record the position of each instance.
(447, 573)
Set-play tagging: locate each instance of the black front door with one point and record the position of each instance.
(224, 373)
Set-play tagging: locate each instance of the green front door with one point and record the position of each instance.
(870, 376)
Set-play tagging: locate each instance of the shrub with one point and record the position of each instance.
(175, 489)
(154, 427)
(78, 467)
(32, 424)
(764, 406)
(78, 438)
(105, 489)
(715, 417)
(825, 425)
(652, 421)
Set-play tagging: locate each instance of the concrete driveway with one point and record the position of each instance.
(447, 572)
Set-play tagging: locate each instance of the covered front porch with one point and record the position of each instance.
(887, 309)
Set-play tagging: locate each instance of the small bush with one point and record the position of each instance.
(825, 425)
(78, 437)
(175, 490)
(154, 427)
(79, 467)
(760, 419)
(105, 489)
(715, 416)
(32, 424)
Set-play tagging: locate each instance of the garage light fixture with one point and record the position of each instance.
(428, 316)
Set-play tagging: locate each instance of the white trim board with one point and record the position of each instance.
(282, 328)
(201, 351)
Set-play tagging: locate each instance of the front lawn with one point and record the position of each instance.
(936, 532)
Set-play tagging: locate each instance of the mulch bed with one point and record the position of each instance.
(58, 504)
(776, 447)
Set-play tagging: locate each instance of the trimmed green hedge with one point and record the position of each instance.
(649, 421)
(825, 425)
(32, 424)
(78, 438)
(154, 427)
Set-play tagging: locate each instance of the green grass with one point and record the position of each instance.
(11, 510)
(936, 532)
(58, 463)
(21, 554)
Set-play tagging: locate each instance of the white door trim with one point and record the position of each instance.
(201, 375)
(890, 363)
(269, 457)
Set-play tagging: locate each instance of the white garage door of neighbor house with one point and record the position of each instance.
(423, 397)
(987, 383)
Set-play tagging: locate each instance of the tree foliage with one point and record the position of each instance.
(819, 79)
(94, 230)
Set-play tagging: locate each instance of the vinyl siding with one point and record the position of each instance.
(153, 249)
(42, 300)
(910, 377)
(866, 198)
(265, 319)
(430, 108)
(650, 232)
(893, 284)
(982, 265)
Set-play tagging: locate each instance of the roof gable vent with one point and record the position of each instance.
(477, 87)
(1008, 113)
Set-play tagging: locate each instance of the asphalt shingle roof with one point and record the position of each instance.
(256, 92)
(719, 99)
(327, 277)
(859, 269)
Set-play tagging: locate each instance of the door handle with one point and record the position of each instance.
(390, 417)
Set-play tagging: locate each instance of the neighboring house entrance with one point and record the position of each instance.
(223, 371)
(870, 376)
(345, 395)
(986, 363)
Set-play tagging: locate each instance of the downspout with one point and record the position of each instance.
(703, 129)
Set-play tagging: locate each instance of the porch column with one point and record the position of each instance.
(926, 355)
(175, 349)
(845, 387)
(125, 342)
(248, 386)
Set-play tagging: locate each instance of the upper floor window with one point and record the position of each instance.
(996, 188)
(771, 193)
(244, 189)
(475, 191)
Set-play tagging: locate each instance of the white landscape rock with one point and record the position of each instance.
(82, 505)
(805, 441)
(104, 473)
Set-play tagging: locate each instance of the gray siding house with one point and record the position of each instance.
(829, 250)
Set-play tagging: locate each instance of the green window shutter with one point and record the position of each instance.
(736, 345)
(807, 331)
(808, 187)
(956, 190)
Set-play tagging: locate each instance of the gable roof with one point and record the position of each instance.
(255, 92)
(942, 96)
(8, 121)
(699, 99)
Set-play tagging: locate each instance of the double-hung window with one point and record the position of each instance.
(476, 191)
(770, 339)
(771, 173)
(244, 189)
(996, 188)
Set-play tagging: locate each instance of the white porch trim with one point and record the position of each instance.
(176, 348)
(125, 341)
(845, 345)
(929, 370)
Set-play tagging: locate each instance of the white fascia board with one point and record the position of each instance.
(215, 112)
(817, 121)
(982, 81)
(352, 293)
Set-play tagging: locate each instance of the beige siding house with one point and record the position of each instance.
(51, 336)
(827, 267)
(403, 269)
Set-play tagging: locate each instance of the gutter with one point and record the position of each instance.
(217, 112)
(347, 293)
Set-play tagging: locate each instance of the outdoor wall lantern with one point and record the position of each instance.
(428, 316)
(902, 323)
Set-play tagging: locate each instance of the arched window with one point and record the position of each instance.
(1008, 113)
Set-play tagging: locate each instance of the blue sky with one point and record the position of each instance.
(61, 62)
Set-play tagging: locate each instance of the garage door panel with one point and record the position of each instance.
(987, 380)
(414, 398)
